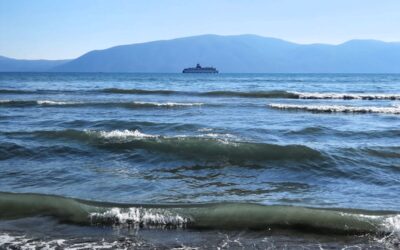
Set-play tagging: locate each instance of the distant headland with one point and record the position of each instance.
(230, 54)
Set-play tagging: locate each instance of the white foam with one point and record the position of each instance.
(205, 129)
(140, 217)
(22, 242)
(5, 238)
(27, 243)
(357, 96)
(384, 223)
(337, 108)
(124, 134)
(136, 134)
(5, 101)
(392, 224)
(93, 245)
(168, 104)
(48, 102)
(212, 135)
(218, 136)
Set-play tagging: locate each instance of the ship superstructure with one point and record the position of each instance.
(199, 69)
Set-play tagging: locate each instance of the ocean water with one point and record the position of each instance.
(202, 161)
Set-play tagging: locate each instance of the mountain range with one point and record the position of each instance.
(229, 54)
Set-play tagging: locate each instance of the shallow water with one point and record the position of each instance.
(173, 160)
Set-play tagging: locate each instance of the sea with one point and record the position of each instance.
(199, 161)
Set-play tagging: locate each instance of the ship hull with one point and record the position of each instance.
(200, 71)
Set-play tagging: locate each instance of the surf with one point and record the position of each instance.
(132, 105)
(346, 96)
(336, 108)
(233, 216)
(202, 147)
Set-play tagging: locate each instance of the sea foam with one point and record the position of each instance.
(48, 102)
(337, 108)
(140, 217)
(167, 104)
(346, 96)
(123, 134)
(36, 102)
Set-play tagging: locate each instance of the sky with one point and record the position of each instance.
(66, 29)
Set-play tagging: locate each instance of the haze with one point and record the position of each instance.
(49, 29)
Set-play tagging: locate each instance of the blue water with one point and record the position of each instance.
(328, 142)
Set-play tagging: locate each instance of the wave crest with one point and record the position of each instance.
(122, 134)
(27, 103)
(346, 96)
(336, 108)
(253, 94)
(223, 148)
(240, 216)
(165, 104)
(203, 147)
(140, 217)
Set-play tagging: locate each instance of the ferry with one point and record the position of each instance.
(199, 69)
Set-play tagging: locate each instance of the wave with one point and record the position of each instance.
(203, 147)
(336, 108)
(237, 216)
(304, 95)
(253, 94)
(139, 91)
(47, 102)
(37, 91)
(27, 103)
(323, 130)
(11, 150)
(111, 124)
(165, 104)
(346, 96)
(222, 93)
(263, 94)
(15, 91)
(123, 134)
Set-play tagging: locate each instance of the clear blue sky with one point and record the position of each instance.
(58, 29)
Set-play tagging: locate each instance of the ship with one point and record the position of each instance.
(199, 69)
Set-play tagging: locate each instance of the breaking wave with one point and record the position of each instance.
(24, 103)
(139, 216)
(253, 94)
(263, 94)
(237, 216)
(346, 96)
(165, 104)
(336, 108)
(27, 103)
(224, 93)
(202, 147)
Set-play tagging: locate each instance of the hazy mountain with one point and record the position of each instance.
(241, 54)
(15, 65)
